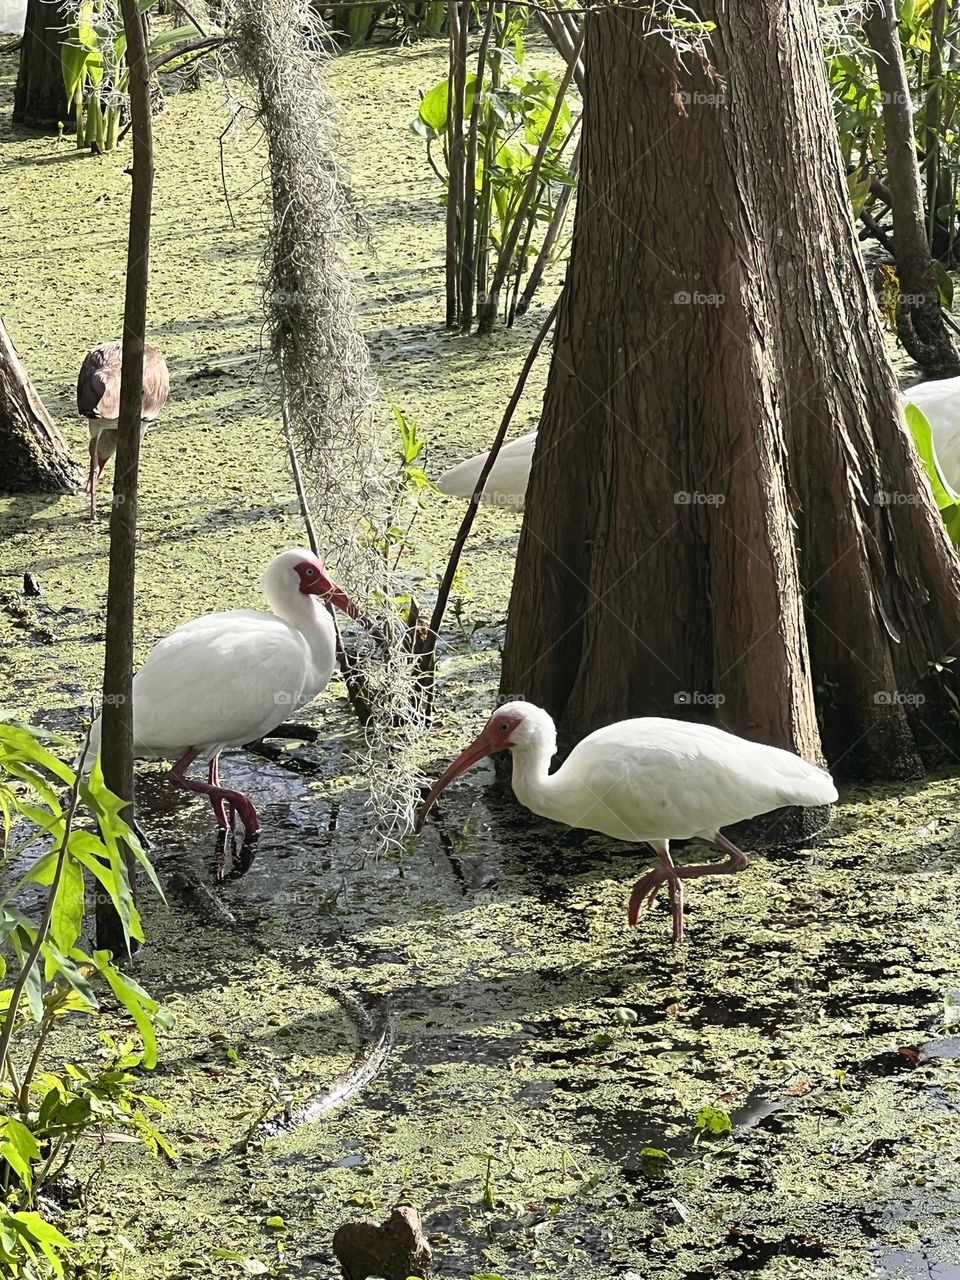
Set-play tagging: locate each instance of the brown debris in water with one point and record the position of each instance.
(394, 1251)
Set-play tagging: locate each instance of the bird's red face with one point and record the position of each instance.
(314, 581)
(497, 735)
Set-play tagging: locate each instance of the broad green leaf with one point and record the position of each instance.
(166, 39)
(88, 850)
(35, 1228)
(19, 1148)
(435, 103)
(58, 963)
(34, 992)
(43, 1231)
(21, 741)
(135, 1000)
(945, 496)
(68, 907)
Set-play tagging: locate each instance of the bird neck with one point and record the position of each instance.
(310, 616)
(531, 780)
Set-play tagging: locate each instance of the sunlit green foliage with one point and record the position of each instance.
(45, 1110)
(95, 73)
(499, 130)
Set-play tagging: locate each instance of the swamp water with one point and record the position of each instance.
(546, 1065)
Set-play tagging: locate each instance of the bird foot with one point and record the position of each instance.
(228, 806)
(647, 888)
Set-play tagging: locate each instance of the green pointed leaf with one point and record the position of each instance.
(57, 963)
(945, 496)
(34, 992)
(68, 907)
(135, 1000)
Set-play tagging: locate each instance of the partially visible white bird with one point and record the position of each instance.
(939, 402)
(226, 679)
(506, 485)
(648, 780)
(98, 398)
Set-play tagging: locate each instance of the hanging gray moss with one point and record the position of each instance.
(320, 360)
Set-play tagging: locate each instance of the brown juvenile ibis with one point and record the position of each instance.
(98, 399)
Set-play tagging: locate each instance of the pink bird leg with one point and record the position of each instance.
(667, 872)
(225, 803)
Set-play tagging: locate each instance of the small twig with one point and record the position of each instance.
(223, 169)
(190, 46)
(878, 233)
(190, 18)
(24, 1090)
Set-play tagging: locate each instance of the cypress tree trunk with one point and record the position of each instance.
(39, 101)
(33, 454)
(720, 421)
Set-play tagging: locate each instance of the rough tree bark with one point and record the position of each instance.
(33, 455)
(117, 735)
(719, 393)
(39, 101)
(920, 323)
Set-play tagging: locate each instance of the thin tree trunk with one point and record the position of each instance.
(117, 738)
(456, 78)
(719, 377)
(937, 177)
(33, 454)
(467, 289)
(920, 323)
(39, 100)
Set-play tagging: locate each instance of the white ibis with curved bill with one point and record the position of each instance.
(226, 679)
(648, 781)
(505, 486)
(98, 398)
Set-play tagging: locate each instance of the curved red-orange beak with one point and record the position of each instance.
(328, 591)
(482, 746)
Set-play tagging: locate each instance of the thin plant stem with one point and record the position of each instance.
(23, 1090)
(449, 573)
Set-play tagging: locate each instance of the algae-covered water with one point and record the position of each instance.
(541, 1051)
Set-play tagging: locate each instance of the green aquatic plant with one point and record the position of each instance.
(712, 1122)
(502, 133)
(95, 72)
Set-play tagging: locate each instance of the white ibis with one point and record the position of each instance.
(98, 398)
(506, 485)
(226, 679)
(647, 781)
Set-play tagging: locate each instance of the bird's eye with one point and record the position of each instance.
(504, 727)
(309, 572)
